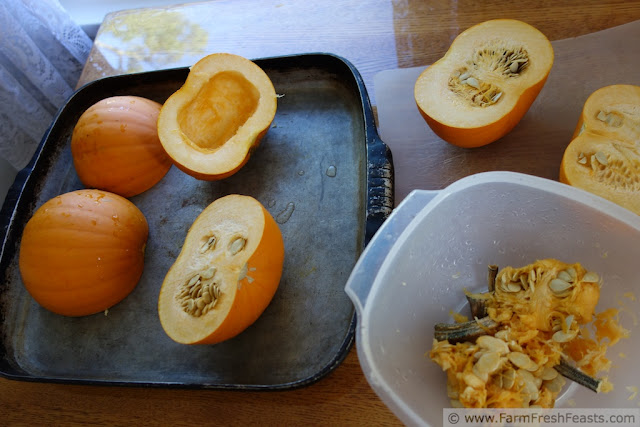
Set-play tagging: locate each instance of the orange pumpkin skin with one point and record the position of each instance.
(216, 120)
(485, 83)
(82, 252)
(115, 146)
(247, 275)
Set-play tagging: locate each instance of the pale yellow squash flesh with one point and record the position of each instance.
(212, 124)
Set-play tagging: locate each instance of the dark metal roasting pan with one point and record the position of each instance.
(323, 173)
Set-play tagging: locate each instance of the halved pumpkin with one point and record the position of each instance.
(82, 252)
(485, 83)
(115, 146)
(212, 124)
(604, 154)
(226, 274)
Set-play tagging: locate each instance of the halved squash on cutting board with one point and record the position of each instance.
(226, 274)
(485, 83)
(604, 154)
(212, 124)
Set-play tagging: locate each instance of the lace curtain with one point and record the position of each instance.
(42, 52)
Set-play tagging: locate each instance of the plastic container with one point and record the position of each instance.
(436, 243)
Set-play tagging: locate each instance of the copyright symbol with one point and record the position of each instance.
(454, 418)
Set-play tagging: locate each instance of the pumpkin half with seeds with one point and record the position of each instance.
(485, 83)
(213, 123)
(604, 154)
(83, 251)
(226, 274)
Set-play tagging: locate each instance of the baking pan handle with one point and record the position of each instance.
(368, 265)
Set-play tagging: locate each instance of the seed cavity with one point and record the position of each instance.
(196, 297)
(490, 63)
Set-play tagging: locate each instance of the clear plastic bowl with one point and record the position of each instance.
(436, 243)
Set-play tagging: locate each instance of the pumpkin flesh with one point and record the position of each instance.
(212, 124)
(82, 252)
(485, 83)
(545, 312)
(603, 156)
(115, 146)
(226, 274)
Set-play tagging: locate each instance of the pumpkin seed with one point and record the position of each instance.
(555, 385)
(513, 287)
(496, 97)
(492, 344)
(487, 364)
(502, 335)
(473, 82)
(582, 159)
(508, 378)
(473, 381)
(206, 297)
(193, 281)
(523, 361)
(562, 336)
(601, 158)
(514, 67)
(563, 275)
(591, 277)
(602, 116)
(209, 273)
(530, 387)
(237, 245)
(558, 286)
(465, 75)
(209, 244)
(614, 120)
(569, 321)
(548, 373)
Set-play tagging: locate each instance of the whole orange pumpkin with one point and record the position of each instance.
(115, 146)
(82, 252)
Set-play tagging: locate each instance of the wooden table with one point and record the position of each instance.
(374, 35)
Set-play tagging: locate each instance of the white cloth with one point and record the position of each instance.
(42, 52)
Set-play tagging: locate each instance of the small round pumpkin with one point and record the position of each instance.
(226, 274)
(485, 83)
(82, 252)
(115, 146)
(602, 157)
(212, 124)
